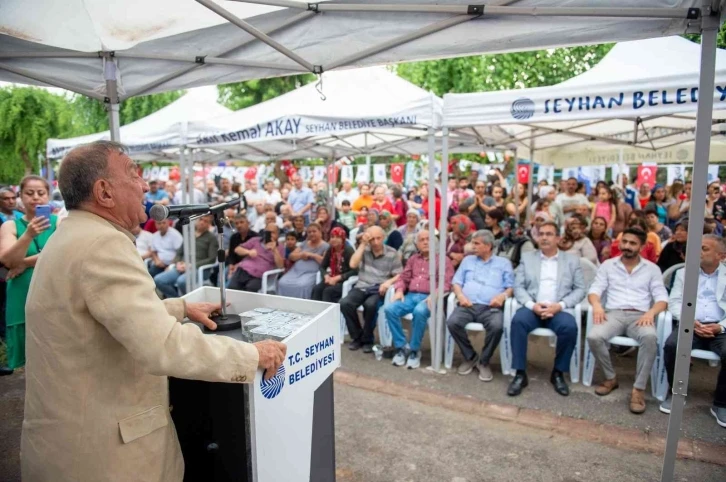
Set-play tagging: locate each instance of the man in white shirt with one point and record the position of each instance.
(143, 241)
(709, 331)
(197, 198)
(635, 297)
(570, 200)
(256, 212)
(347, 193)
(547, 282)
(271, 195)
(252, 194)
(164, 244)
(268, 218)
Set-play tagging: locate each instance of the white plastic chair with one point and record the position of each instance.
(589, 271)
(347, 286)
(669, 274)
(384, 334)
(713, 359)
(449, 343)
(269, 281)
(658, 383)
(200, 274)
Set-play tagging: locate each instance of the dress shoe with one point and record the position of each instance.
(6, 371)
(355, 345)
(637, 401)
(517, 385)
(606, 387)
(558, 381)
(368, 348)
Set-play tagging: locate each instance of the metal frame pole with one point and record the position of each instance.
(710, 26)
(530, 187)
(191, 281)
(112, 100)
(439, 338)
(435, 355)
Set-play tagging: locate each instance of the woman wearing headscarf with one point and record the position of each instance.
(461, 227)
(327, 223)
(393, 237)
(514, 242)
(408, 233)
(335, 268)
(555, 209)
(539, 218)
(307, 258)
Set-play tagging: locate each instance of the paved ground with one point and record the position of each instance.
(582, 402)
(388, 439)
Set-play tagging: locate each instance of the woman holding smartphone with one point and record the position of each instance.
(21, 242)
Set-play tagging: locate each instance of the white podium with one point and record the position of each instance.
(287, 421)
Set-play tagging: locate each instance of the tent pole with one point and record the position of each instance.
(111, 99)
(191, 278)
(435, 354)
(330, 183)
(368, 154)
(439, 338)
(530, 187)
(710, 26)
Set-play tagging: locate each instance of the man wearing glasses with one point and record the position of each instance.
(8, 205)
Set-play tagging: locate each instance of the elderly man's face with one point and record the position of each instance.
(260, 208)
(422, 242)
(8, 201)
(242, 225)
(124, 198)
(377, 236)
(481, 249)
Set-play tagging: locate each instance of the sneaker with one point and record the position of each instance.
(399, 359)
(485, 373)
(367, 347)
(467, 366)
(355, 345)
(665, 407)
(414, 360)
(720, 414)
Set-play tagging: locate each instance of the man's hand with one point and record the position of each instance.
(272, 354)
(365, 238)
(159, 264)
(201, 312)
(707, 330)
(498, 301)
(269, 246)
(598, 315)
(538, 309)
(383, 288)
(464, 301)
(181, 267)
(398, 296)
(252, 253)
(551, 310)
(645, 320)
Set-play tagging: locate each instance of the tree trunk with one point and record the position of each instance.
(26, 160)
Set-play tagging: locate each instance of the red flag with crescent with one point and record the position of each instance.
(523, 173)
(251, 173)
(646, 174)
(397, 173)
(333, 173)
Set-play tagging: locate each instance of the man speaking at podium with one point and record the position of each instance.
(101, 344)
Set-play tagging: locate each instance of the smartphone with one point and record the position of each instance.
(43, 211)
(268, 236)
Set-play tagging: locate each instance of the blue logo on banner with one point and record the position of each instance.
(522, 108)
(272, 387)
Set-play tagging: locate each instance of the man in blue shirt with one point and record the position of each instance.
(481, 285)
(156, 195)
(8, 203)
(301, 199)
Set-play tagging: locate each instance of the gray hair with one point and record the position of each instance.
(720, 242)
(484, 235)
(82, 167)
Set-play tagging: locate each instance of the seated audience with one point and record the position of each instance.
(546, 283)
(481, 205)
(648, 250)
(242, 234)
(598, 234)
(514, 242)
(555, 209)
(365, 200)
(335, 268)
(165, 243)
(393, 237)
(297, 226)
(655, 226)
(380, 201)
(400, 206)
(635, 295)
(413, 297)
(346, 217)
(481, 284)
(710, 322)
(518, 204)
(299, 281)
(143, 242)
(268, 217)
(173, 282)
(326, 223)
(378, 268)
(256, 212)
(492, 220)
(575, 242)
(461, 229)
(660, 202)
(408, 232)
(259, 254)
(362, 218)
(623, 214)
(675, 251)
(540, 217)
(437, 205)
(606, 207)
(290, 245)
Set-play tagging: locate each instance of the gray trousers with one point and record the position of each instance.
(491, 318)
(619, 323)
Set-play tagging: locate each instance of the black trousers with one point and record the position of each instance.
(349, 306)
(716, 345)
(242, 281)
(329, 294)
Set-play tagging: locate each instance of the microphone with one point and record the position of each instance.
(159, 212)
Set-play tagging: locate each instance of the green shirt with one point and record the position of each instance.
(347, 219)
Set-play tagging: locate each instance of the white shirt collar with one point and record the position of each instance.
(552, 258)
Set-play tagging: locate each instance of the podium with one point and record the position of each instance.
(266, 431)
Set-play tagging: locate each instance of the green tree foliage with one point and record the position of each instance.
(89, 115)
(720, 39)
(244, 94)
(28, 117)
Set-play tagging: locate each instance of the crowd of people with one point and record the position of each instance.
(498, 245)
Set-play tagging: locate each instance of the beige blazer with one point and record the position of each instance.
(100, 345)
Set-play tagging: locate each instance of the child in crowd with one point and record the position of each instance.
(605, 208)
(362, 219)
(346, 217)
(290, 246)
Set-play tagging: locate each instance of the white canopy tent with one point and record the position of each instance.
(636, 105)
(160, 134)
(368, 111)
(112, 50)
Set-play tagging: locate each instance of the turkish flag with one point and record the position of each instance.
(251, 173)
(646, 174)
(397, 173)
(523, 173)
(333, 173)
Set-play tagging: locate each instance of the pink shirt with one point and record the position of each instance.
(603, 209)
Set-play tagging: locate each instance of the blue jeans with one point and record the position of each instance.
(564, 326)
(412, 303)
(171, 283)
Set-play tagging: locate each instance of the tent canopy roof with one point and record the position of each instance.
(178, 44)
(640, 98)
